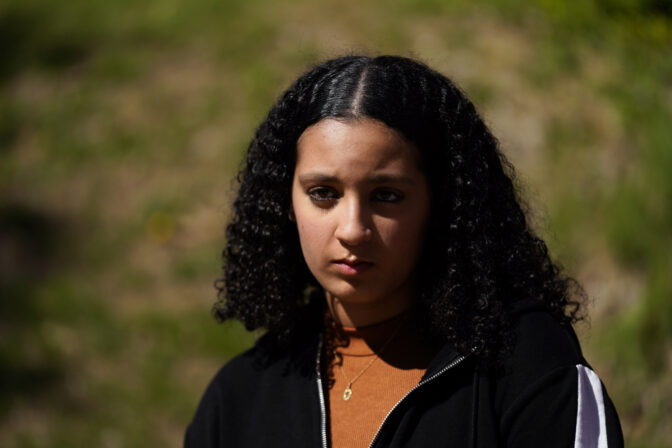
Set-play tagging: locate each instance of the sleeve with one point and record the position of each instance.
(568, 407)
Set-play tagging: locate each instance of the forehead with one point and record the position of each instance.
(355, 146)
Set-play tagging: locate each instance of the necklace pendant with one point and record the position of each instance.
(347, 393)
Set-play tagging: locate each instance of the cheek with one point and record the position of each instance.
(307, 234)
(403, 240)
(312, 236)
(406, 231)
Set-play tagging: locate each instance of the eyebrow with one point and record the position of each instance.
(375, 179)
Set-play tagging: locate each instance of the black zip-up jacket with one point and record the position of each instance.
(545, 396)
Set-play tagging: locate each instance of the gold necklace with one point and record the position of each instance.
(347, 393)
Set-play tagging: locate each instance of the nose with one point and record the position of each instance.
(354, 226)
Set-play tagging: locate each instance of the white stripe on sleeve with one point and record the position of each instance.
(591, 429)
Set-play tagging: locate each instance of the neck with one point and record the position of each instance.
(349, 314)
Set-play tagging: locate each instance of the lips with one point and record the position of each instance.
(352, 267)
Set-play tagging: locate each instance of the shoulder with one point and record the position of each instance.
(242, 367)
(214, 411)
(547, 383)
(255, 388)
(259, 369)
(263, 371)
(233, 382)
(541, 344)
(543, 349)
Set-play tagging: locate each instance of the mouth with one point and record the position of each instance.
(352, 267)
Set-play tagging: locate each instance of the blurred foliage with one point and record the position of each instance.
(122, 125)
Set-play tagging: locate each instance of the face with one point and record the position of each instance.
(361, 206)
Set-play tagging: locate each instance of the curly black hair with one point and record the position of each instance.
(481, 254)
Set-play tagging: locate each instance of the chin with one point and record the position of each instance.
(349, 293)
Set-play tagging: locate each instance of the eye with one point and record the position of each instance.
(322, 194)
(387, 195)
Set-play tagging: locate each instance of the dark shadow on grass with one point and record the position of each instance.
(31, 36)
(28, 249)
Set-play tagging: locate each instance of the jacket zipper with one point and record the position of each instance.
(420, 384)
(320, 394)
(323, 412)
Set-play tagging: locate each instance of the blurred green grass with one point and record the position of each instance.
(122, 125)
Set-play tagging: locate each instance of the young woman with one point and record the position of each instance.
(378, 240)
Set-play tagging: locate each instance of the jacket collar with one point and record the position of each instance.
(447, 355)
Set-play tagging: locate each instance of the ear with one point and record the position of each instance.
(290, 213)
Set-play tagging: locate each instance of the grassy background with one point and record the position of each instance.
(122, 124)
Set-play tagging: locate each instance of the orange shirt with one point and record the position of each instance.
(399, 367)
